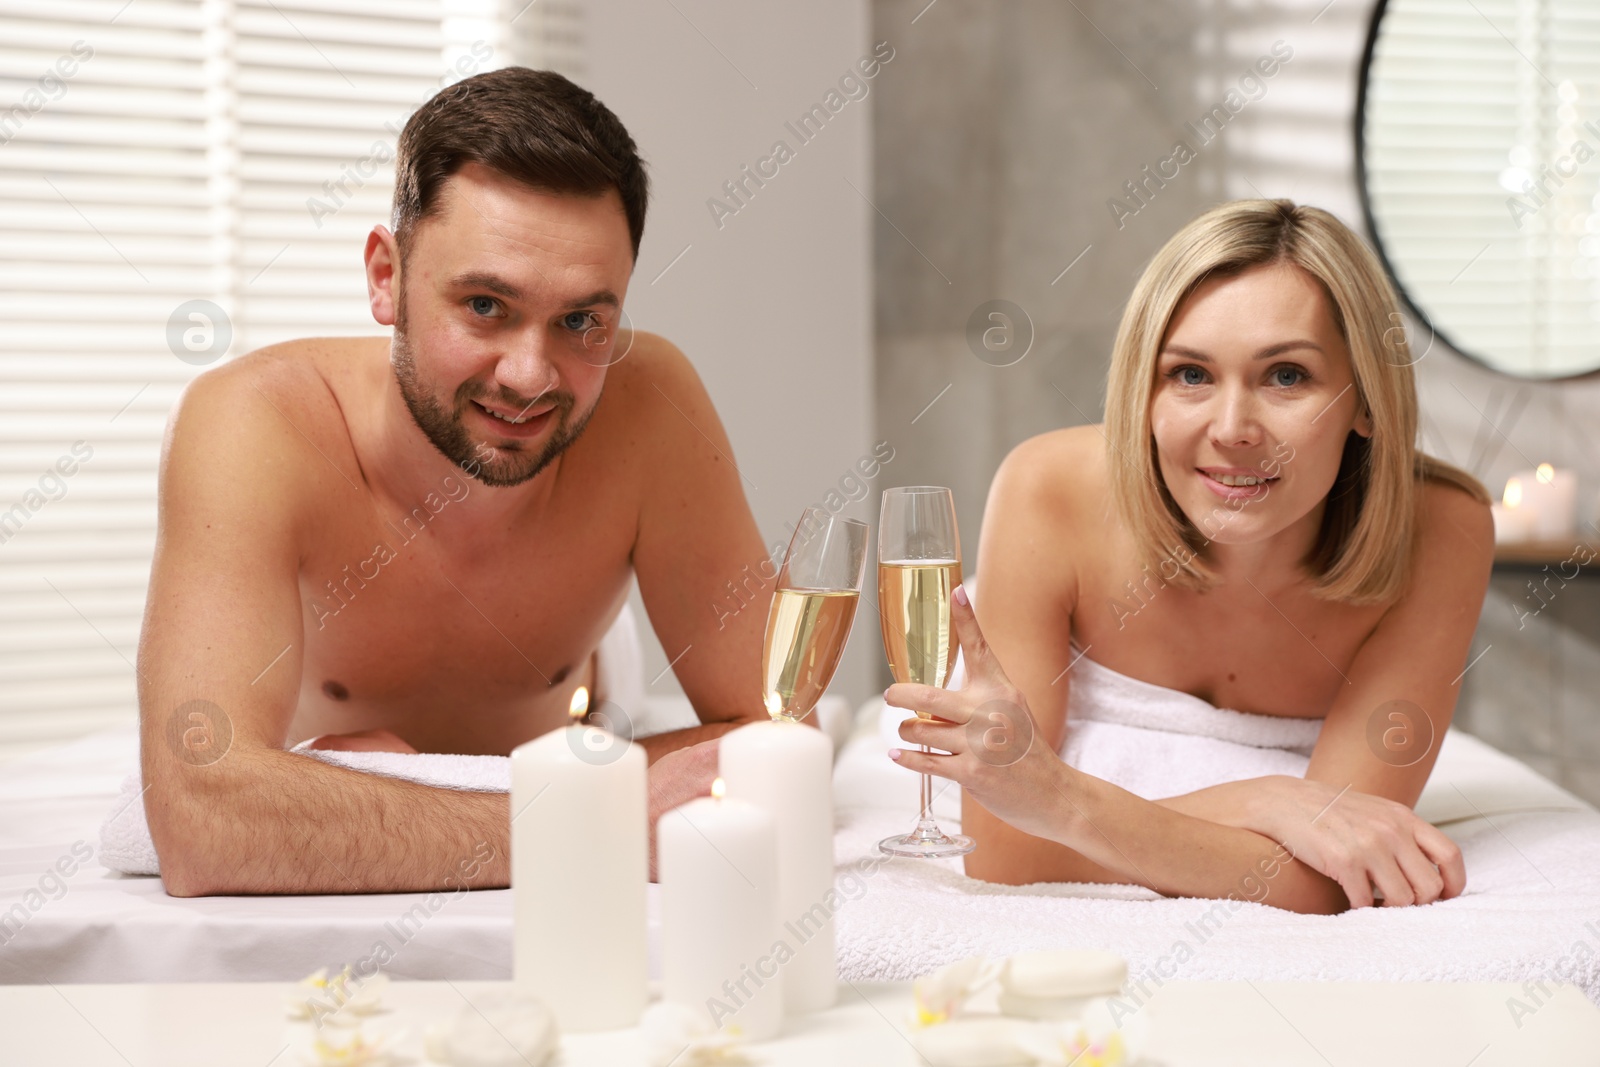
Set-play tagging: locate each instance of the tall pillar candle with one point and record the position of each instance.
(786, 769)
(718, 862)
(580, 855)
(1551, 496)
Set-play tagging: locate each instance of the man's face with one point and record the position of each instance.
(507, 313)
(1254, 383)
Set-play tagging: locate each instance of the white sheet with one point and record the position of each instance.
(903, 918)
(1531, 910)
(96, 925)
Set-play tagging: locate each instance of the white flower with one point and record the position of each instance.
(349, 1047)
(1099, 1038)
(508, 1029)
(678, 1034)
(941, 994)
(338, 1000)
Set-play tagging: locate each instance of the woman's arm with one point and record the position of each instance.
(1084, 830)
(1035, 517)
(1102, 832)
(1351, 816)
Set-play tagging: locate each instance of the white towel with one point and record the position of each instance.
(125, 843)
(1531, 911)
(1161, 742)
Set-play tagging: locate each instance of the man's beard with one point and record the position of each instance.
(510, 464)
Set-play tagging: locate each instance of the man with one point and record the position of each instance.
(419, 542)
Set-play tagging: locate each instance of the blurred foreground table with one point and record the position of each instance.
(1227, 1024)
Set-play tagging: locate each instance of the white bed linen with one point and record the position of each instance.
(1531, 910)
(903, 919)
(103, 926)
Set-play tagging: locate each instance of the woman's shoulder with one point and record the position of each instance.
(1454, 533)
(1056, 473)
(1445, 507)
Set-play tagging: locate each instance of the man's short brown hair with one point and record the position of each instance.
(533, 126)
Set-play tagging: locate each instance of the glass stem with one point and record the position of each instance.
(927, 829)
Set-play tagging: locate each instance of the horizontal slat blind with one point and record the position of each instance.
(233, 151)
(1466, 103)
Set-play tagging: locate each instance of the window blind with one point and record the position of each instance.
(1483, 164)
(181, 181)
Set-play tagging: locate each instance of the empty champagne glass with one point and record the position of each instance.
(919, 563)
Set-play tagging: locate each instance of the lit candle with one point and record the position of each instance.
(1512, 521)
(579, 867)
(720, 950)
(1551, 497)
(786, 769)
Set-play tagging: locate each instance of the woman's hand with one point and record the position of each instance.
(995, 751)
(1363, 842)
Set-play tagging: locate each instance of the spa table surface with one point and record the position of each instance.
(1228, 1024)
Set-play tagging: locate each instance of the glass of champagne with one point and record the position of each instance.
(919, 563)
(812, 610)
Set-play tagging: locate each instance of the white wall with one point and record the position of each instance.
(774, 306)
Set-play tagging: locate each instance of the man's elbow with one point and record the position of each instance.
(190, 848)
(182, 879)
(186, 869)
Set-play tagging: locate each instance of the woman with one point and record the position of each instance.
(1252, 526)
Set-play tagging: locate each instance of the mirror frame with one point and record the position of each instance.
(1363, 79)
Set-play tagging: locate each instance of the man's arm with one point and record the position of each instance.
(220, 664)
(698, 555)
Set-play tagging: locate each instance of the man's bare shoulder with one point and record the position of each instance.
(649, 366)
(291, 376)
(273, 409)
(654, 399)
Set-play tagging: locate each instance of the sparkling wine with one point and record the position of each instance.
(806, 634)
(914, 605)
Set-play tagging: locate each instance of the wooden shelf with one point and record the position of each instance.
(1539, 553)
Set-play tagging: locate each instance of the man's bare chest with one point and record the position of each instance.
(411, 624)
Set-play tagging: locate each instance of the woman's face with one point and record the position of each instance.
(1253, 387)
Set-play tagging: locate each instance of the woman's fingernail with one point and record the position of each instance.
(960, 594)
(894, 754)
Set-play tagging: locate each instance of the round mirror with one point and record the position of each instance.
(1478, 140)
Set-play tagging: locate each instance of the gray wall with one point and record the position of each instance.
(1003, 128)
(774, 305)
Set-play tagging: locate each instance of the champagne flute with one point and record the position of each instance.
(812, 611)
(919, 563)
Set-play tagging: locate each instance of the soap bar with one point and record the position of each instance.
(974, 1041)
(1055, 984)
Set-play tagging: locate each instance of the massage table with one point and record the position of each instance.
(1531, 912)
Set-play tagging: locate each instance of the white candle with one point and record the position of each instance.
(580, 855)
(1551, 496)
(1512, 521)
(720, 954)
(786, 769)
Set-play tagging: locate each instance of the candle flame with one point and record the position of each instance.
(580, 703)
(719, 788)
(1545, 473)
(1513, 495)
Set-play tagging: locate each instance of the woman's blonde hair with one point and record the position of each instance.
(1371, 509)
